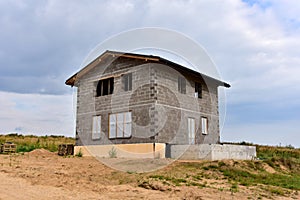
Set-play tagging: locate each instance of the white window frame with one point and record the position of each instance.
(191, 130)
(96, 127)
(204, 125)
(120, 125)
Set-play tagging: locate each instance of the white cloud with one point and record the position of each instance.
(269, 133)
(256, 48)
(37, 114)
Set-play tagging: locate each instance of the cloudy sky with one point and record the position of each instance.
(254, 43)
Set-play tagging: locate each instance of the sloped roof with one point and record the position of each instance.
(71, 81)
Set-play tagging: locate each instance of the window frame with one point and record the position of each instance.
(204, 125)
(127, 82)
(198, 90)
(191, 130)
(96, 134)
(107, 82)
(181, 84)
(122, 125)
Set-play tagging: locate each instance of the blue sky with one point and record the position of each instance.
(255, 45)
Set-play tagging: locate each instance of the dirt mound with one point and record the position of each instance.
(268, 168)
(41, 152)
(136, 165)
(41, 174)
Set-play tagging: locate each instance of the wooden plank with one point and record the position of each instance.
(8, 148)
(65, 149)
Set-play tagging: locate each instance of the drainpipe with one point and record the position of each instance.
(153, 148)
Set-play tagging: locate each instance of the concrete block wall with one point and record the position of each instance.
(179, 107)
(139, 101)
(159, 111)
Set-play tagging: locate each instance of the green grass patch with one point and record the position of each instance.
(175, 181)
(249, 179)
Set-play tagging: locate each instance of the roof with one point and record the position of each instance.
(71, 81)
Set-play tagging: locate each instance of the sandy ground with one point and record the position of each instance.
(44, 175)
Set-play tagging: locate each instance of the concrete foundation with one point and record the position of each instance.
(211, 152)
(145, 150)
(160, 150)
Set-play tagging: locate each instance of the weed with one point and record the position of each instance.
(166, 183)
(175, 181)
(79, 153)
(221, 164)
(276, 191)
(212, 167)
(160, 177)
(197, 177)
(113, 152)
(234, 187)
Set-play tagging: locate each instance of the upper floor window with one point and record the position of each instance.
(198, 90)
(105, 87)
(127, 81)
(181, 84)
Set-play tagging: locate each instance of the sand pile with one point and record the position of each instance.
(41, 152)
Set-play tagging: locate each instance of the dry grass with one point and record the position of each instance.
(30, 142)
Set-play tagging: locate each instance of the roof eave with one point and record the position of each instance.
(220, 83)
(226, 85)
(71, 81)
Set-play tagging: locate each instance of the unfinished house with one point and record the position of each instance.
(143, 105)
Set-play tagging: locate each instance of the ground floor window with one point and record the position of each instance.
(204, 125)
(120, 125)
(191, 130)
(96, 129)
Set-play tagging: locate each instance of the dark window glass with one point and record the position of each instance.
(198, 90)
(105, 87)
(111, 85)
(99, 88)
(181, 85)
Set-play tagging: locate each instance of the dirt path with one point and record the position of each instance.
(44, 175)
(18, 188)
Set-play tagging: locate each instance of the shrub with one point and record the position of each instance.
(25, 148)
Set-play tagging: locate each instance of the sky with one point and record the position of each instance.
(254, 44)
